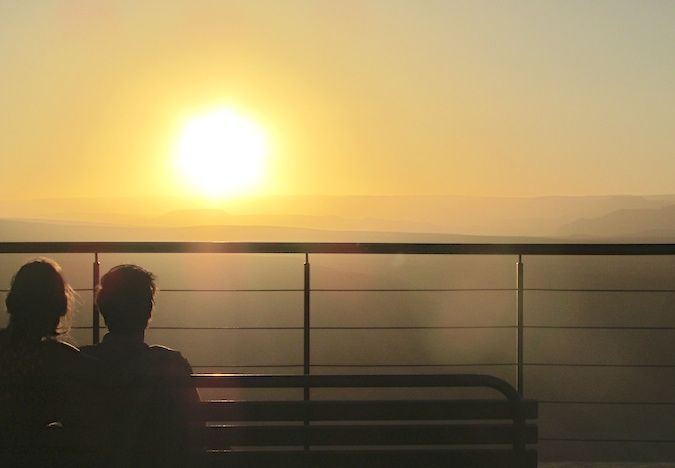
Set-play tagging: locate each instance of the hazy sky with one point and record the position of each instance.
(357, 97)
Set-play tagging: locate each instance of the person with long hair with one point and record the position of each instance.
(36, 368)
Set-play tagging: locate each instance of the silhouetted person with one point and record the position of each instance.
(39, 374)
(147, 418)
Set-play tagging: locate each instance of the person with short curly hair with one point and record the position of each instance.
(148, 422)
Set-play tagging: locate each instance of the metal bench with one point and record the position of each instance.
(303, 430)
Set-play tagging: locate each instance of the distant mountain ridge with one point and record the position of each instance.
(455, 215)
(214, 217)
(637, 224)
(41, 231)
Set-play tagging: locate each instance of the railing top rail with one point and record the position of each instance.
(338, 248)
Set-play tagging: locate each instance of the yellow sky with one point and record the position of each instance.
(376, 97)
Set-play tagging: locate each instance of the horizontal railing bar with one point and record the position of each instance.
(232, 290)
(404, 327)
(247, 365)
(407, 290)
(619, 403)
(594, 440)
(501, 289)
(480, 364)
(601, 290)
(553, 364)
(225, 328)
(74, 289)
(225, 366)
(339, 290)
(413, 290)
(598, 327)
(338, 248)
(449, 327)
(363, 365)
(237, 366)
(485, 364)
(404, 290)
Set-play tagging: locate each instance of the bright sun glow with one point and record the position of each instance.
(221, 153)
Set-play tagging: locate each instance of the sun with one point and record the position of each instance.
(221, 153)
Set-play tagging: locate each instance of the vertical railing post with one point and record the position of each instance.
(306, 343)
(95, 317)
(520, 324)
(306, 324)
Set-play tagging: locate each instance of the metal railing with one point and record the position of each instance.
(518, 251)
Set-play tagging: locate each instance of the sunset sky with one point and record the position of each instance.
(513, 98)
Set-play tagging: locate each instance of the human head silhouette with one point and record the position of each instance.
(39, 301)
(126, 297)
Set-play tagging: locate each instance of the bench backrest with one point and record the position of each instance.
(348, 430)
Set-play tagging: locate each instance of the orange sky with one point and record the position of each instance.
(377, 97)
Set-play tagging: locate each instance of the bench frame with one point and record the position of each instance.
(333, 433)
